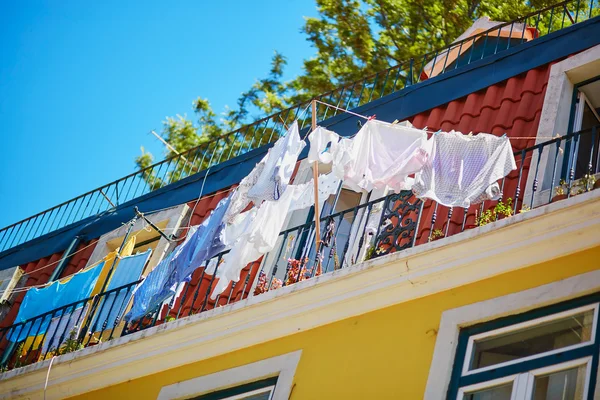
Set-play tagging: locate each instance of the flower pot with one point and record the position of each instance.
(558, 197)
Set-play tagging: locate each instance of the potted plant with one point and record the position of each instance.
(588, 182)
(262, 284)
(501, 209)
(560, 192)
(436, 234)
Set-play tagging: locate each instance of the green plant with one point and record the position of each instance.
(71, 343)
(169, 318)
(562, 188)
(436, 234)
(524, 209)
(501, 209)
(587, 182)
(373, 252)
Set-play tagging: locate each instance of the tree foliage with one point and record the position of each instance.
(352, 39)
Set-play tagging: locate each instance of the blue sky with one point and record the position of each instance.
(83, 82)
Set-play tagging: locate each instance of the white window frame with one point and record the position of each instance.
(242, 396)
(512, 328)
(556, 111)
(171, 218)
(453, 320)
(283, 366)
(523, 384)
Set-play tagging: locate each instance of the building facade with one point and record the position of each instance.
(497, 301)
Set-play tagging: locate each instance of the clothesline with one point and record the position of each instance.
(200, 197)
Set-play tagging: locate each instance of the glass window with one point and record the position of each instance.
(562, 385)
(501, 392)
(259, 390)
(532, 340)
(544, 354)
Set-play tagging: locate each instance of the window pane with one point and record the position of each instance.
(533, 340)
(259, 396)
(563, 385)
(502, 392)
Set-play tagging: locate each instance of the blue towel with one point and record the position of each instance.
(145, 298)
(113, 304)
(201, 245)
(41, 301)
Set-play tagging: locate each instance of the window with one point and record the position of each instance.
(259, 390)
(584, 117)
(267, 379)
(544, 354)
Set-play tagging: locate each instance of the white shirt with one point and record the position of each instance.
(380, 155)
(464, 170)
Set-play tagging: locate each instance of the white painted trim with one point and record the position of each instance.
(489, 385)
(587, 361)
(242, 396)
(555, 116)
(284, 367)
(173, 216)
(515, 303)
(511, 244)
(527, 324)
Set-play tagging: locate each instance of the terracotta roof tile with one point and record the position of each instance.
(513, 107)
(39, 272)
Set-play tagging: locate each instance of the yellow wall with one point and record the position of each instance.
(380, 355)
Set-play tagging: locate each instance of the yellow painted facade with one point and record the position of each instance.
(385, 354)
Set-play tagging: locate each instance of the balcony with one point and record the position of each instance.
(548, 172)
(129, 189)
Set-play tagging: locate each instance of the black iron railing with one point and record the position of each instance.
(65, 329)
(266, 130)
(549, 171)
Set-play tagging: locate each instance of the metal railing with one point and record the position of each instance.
(546, 172)
(267, 130)
(71, 327)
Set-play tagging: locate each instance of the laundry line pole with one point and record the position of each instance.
(316, 189)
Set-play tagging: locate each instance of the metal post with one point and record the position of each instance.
(316, 184)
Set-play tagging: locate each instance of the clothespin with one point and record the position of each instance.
(395, 122)
(505, 135)
(372, 117)
(470, 133)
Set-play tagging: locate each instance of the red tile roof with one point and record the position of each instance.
(39, 272)
(512, 107)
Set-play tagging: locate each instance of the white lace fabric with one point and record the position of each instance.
(464, 170)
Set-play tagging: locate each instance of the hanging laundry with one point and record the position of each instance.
(304, 194)
(319, 139)
(464, 170)
(270, 177)
(149, 295)
(202, 243)
(58, 294)
(254, 233)
(64, 328)
(112, 305)
(381, 154)
(262, 227)
(112, 259)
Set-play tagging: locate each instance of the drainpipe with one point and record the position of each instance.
(65, 260)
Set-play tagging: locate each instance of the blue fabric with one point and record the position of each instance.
(113, 304)
(204, 243)
(145, 299)
(399, 105)
(41, 301)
